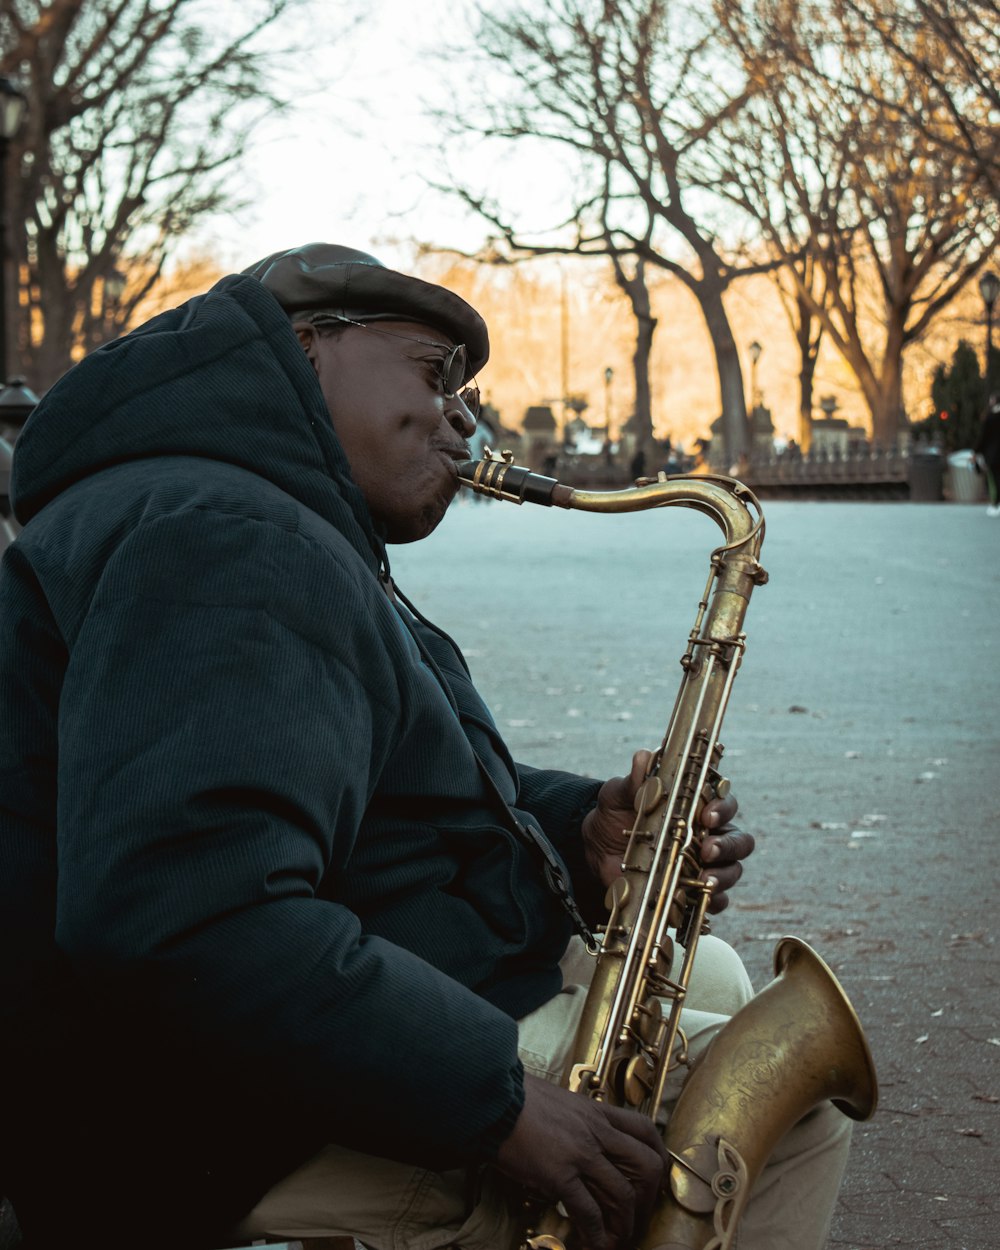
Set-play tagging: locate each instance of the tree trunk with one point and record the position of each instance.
(637, 290)
(808, 355)
(887, 414)
(51, 357)
(645, 329)
(735, 430)
(888, 419)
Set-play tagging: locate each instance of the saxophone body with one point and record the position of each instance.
(796, 1044)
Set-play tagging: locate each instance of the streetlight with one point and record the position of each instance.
(12, 105)
(989, 289)
(609, 373)
(755, 351)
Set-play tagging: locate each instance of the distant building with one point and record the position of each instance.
(539, 435)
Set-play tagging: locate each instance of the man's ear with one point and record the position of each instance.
(305, 332)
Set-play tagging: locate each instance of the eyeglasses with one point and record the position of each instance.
(451, 367)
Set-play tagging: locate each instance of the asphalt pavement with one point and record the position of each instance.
(862, 740)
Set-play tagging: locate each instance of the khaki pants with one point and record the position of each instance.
(391, 1206)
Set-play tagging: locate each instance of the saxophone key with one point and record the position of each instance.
(582, 1078)
(636, 1079)
(648, 796)
(647, 1023)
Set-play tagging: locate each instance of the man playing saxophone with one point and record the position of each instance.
(290, 944)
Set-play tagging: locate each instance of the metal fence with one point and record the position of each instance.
(868, 473)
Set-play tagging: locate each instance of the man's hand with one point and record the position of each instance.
(605, 833)
(722, 849)
(605, 829)
(605, 1164)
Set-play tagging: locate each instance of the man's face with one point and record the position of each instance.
(402, 436)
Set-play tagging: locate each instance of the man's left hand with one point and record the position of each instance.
(605, 833)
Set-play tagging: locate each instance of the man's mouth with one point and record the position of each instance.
(455, 455)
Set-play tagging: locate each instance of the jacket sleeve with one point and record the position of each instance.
(227, 707)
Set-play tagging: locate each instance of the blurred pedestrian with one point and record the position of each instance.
(987, 451)
(701, 466)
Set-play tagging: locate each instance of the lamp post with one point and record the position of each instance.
(828, 406)
(12, 105)
(755, 352)
(989, 289)
(609, 373)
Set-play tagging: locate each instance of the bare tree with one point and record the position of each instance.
(137, 112)
(632, 88)
(834, 171)
(953, 49)
(590, 234)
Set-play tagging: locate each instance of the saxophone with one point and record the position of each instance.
(798, 1042)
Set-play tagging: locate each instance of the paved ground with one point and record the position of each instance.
(863, 743)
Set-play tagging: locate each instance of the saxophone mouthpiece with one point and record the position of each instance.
(499, 478)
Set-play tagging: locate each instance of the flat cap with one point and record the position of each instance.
(327, 278)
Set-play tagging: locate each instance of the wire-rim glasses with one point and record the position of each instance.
(452, 367)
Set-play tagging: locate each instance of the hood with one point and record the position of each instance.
(222, 377)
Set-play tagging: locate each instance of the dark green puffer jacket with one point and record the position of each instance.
(254, 894)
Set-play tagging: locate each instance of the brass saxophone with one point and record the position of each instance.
(798, 1042)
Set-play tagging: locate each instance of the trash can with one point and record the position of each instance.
(965, 485)
(926, 477)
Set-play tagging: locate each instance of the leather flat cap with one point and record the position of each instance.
(326, 278)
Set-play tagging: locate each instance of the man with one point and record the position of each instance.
(275, 896)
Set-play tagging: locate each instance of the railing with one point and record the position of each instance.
(865, 473)
(915, 473)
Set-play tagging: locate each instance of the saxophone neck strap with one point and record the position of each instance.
(552, 869)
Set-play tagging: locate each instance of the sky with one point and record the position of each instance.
(345, 163)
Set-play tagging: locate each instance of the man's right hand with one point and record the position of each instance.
(605, 1164)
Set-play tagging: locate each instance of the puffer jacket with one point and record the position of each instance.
(254, 892)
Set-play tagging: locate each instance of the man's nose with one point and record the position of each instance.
(458, 416)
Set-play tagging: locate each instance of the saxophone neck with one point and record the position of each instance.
(733, 506)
